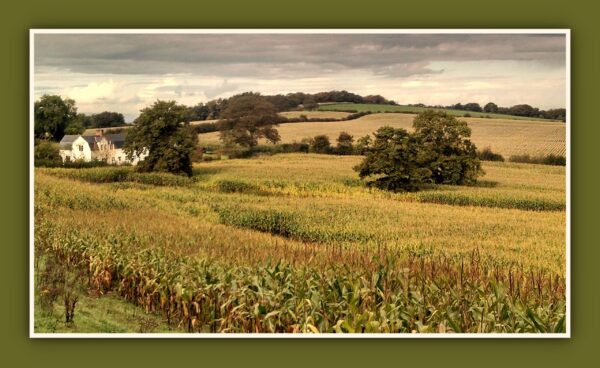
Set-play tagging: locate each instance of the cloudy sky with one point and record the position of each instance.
(126, 72)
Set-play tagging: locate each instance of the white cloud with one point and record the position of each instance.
(94, 91)
(131, 74)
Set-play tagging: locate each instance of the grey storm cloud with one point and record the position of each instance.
(277, 56)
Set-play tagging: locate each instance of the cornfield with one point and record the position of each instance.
(295, 244)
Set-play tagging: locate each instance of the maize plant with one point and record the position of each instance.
(300, 247)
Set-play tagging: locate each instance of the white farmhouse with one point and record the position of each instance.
(101, 147)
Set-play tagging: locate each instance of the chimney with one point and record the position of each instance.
(99, 132)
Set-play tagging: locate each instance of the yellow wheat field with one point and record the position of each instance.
(504, 136)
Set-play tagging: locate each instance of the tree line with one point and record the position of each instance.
(56, 116)
(524, 110)
(214, 109)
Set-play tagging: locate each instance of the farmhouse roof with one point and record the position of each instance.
(67, 141)
(92, 140)
(117, 139)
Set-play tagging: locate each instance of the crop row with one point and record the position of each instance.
(396, 292)
(121, 174)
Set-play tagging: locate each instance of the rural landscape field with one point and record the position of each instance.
(294, 243)
(215, 208)
(505, 136)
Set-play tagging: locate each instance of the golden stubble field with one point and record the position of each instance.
(507, 137)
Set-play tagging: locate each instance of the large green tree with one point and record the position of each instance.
(247, 118)
(452, 157)
(52, 115)
(163, 131)
(438, 151)
(394, 161)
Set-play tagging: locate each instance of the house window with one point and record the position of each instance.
(81, 147)
(119, 158)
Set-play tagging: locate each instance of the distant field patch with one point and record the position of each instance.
(316, 114)
(505, 136)
(415, 110)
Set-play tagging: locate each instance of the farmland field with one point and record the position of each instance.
(295, 243)
(507, 137)
(415, 110)
(315, 114)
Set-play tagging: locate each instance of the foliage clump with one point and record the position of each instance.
(247, 118)
(344, 144)
(487, 154)
(320, 144)
(162, 132)
(551, 159)
(439, 151)
(52, 117)
(46, 153)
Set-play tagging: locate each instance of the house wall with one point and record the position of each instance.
(115, 156)
(76, 153)
(105, 152)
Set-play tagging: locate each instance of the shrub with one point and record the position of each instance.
(554, 160)
(550, 159)
(320, 144)
(487, 154)
(344, 146)
(45, 153)
(295, 147)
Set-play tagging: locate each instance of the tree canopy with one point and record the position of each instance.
(438, 151)
(52, 115)
(452, 157)
(247, 118)
(344, 144)
(490, 107)
(162, 131)
(320, 144)
(107, 119)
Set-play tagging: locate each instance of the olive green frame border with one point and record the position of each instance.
(19, 17)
